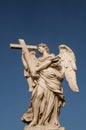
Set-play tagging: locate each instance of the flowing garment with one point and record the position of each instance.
(49, 80)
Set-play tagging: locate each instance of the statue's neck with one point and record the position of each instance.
(45, 54)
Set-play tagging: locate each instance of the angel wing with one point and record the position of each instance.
(68, 63)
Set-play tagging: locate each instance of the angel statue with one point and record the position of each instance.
(45, 75)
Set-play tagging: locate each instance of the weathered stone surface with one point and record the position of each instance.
(47, 127)
(44, 75)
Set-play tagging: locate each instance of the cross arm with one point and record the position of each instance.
(19, 46)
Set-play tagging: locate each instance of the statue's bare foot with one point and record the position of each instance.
(33, 123)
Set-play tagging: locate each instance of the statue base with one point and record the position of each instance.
(45, 127)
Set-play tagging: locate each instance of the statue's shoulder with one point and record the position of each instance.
(52, 55)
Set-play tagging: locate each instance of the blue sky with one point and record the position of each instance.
(53, 22)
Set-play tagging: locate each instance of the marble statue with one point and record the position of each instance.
(44, 75)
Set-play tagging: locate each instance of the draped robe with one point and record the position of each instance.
(50, 80)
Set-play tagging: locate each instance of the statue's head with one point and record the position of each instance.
(43, 47)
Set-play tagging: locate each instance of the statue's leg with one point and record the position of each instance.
(36, 106)
(55, 114)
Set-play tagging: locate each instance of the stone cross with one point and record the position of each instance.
(25, 49)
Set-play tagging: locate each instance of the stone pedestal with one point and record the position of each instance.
(41, 127)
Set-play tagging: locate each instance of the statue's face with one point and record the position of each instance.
(41, 49)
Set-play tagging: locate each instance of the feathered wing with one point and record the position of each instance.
(69, 66)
